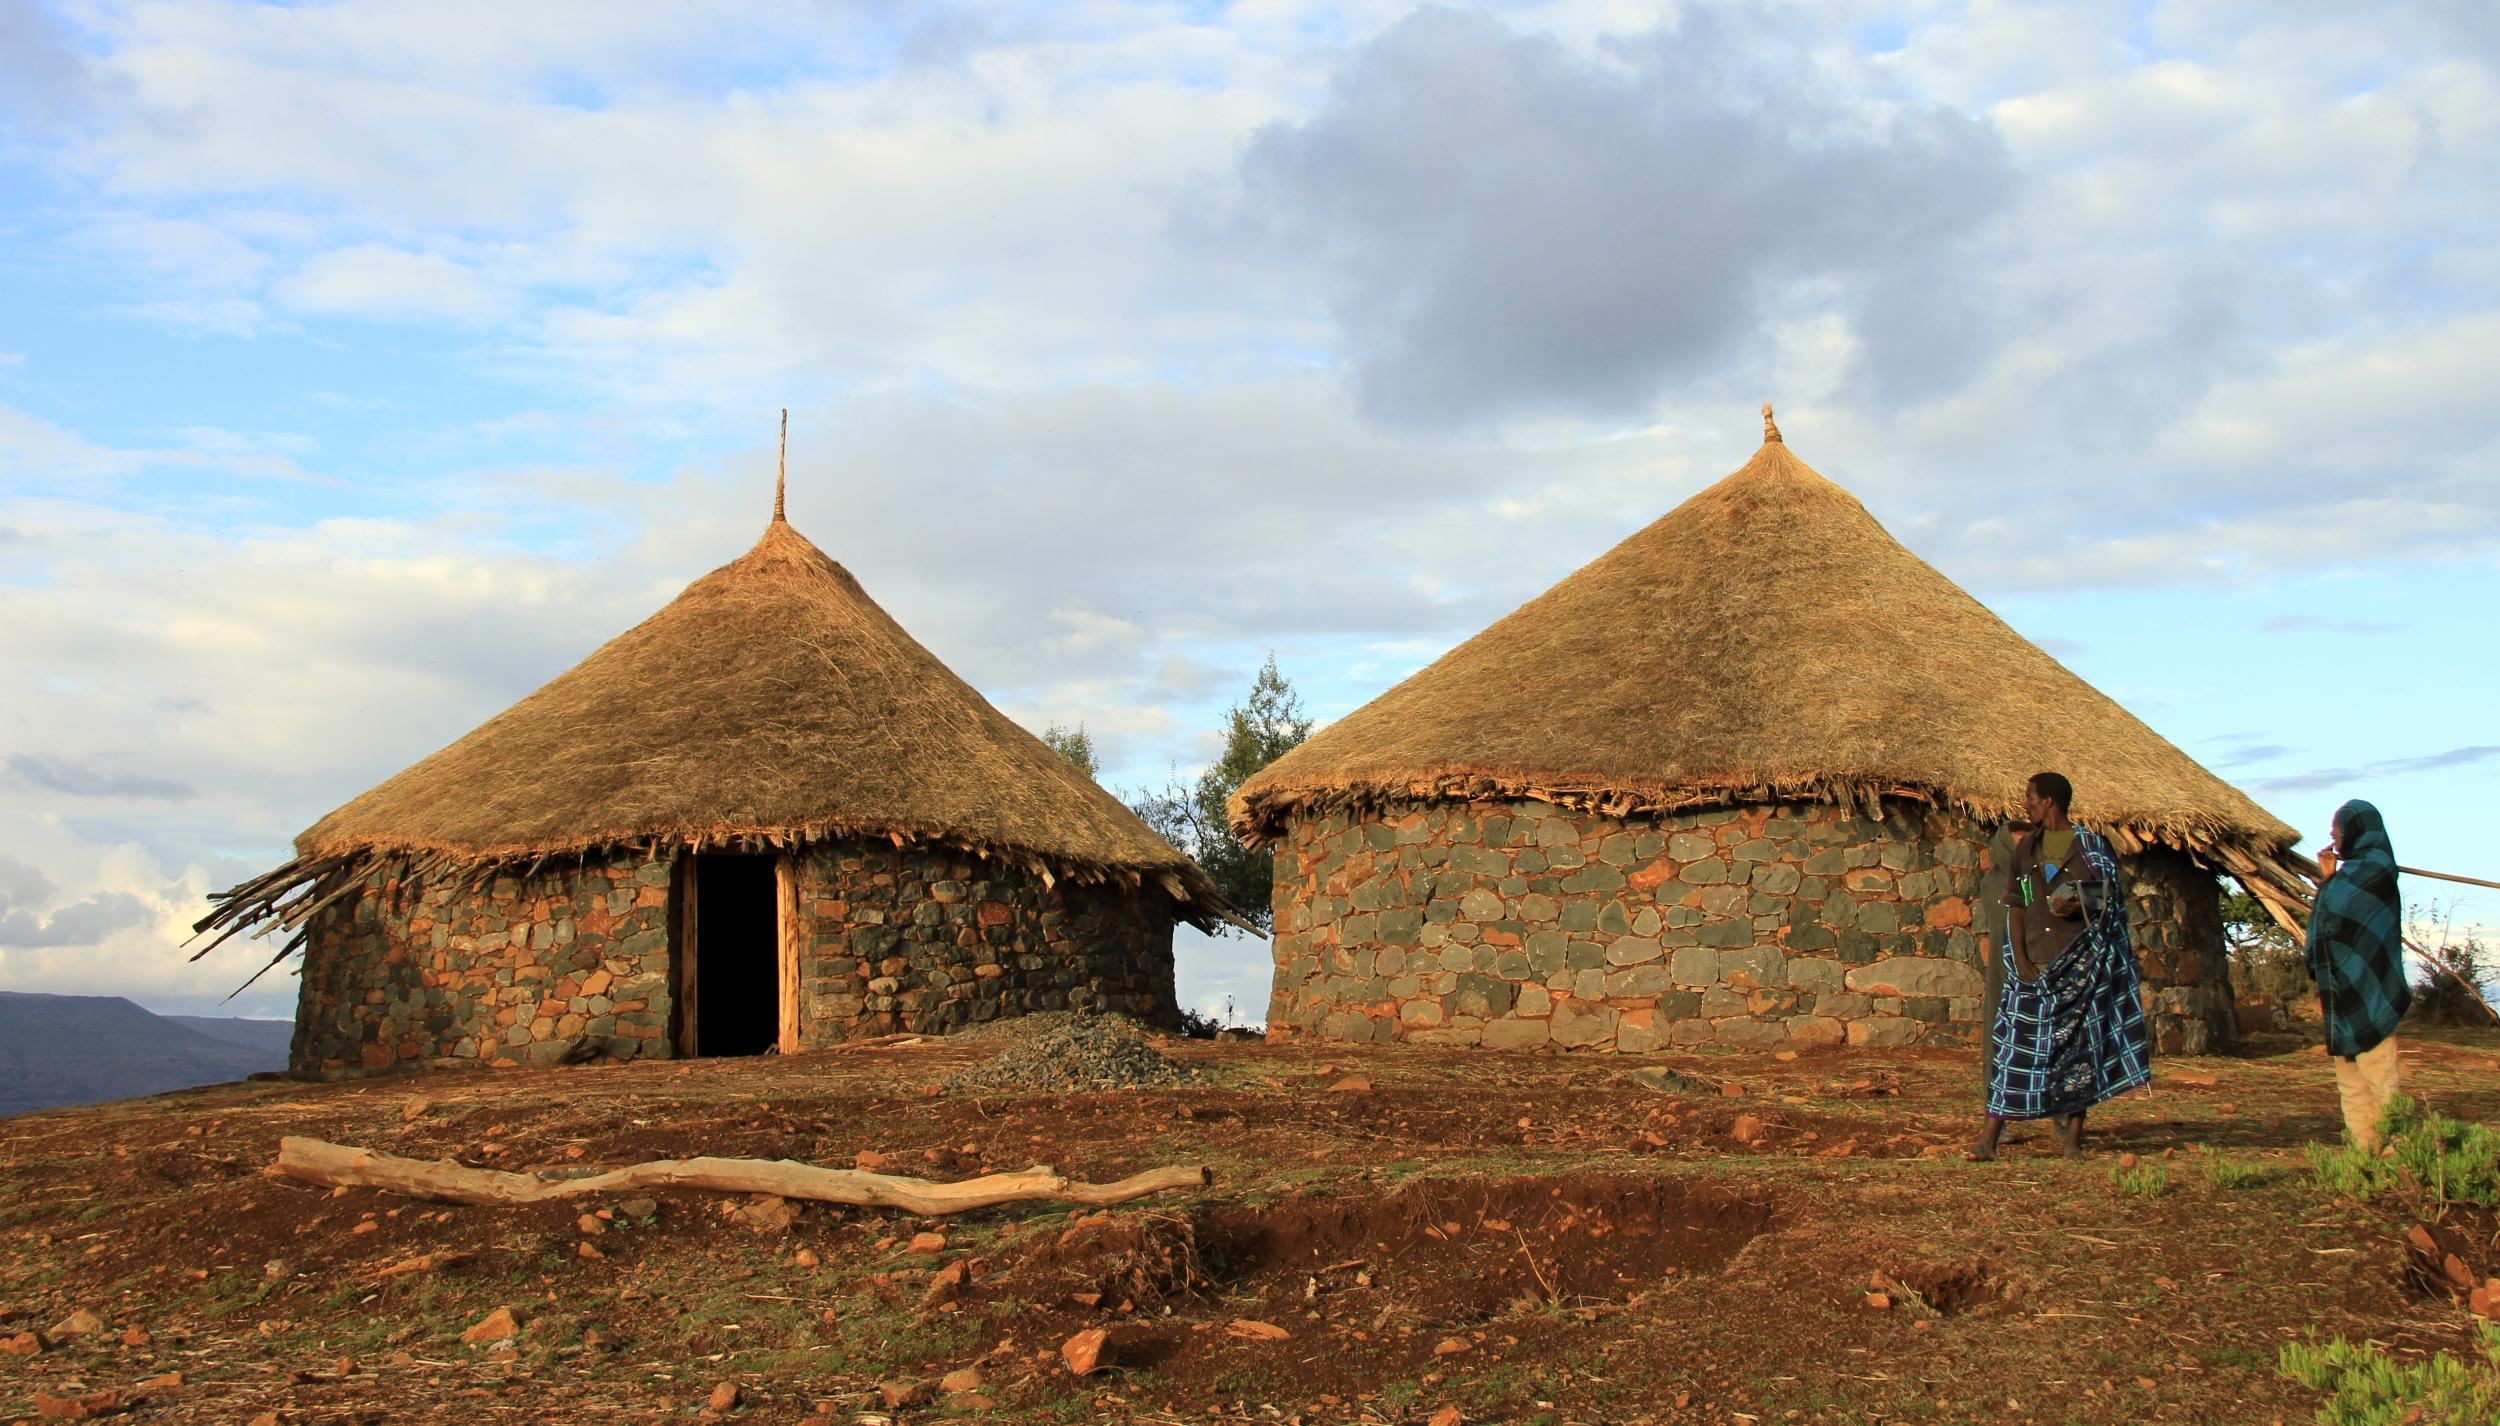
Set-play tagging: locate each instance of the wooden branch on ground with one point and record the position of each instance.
(333, 1165)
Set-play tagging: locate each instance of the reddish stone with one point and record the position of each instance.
(1656, 874)
(1085, 1352)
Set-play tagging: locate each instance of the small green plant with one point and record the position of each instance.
(2142, 1181)
(2225, 1172)
(2425, 1157)
(2367, 1388)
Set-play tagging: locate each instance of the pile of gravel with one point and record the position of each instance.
(1063, 1052)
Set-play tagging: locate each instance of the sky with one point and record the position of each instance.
(363, 365)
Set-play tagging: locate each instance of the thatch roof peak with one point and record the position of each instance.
(1765, 640)
(771, 702)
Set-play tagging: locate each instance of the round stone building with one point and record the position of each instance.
(766, 818)
(1731, 783)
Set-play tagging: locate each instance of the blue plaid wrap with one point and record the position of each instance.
(2075, 1036)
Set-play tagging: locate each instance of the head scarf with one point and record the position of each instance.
(2356, 937)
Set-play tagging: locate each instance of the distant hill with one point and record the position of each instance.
(271, 1036)
(85, 1049)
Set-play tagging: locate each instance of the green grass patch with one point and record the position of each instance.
(2230, 1174)
(2150, 1180)
(2366, 1387)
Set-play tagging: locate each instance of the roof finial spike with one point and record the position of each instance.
(781, 472)
(1770, 428)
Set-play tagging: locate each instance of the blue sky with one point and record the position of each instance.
(364, 364)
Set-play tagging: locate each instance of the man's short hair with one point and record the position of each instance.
(2054, 787)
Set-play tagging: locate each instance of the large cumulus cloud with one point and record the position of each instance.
(1507, 223)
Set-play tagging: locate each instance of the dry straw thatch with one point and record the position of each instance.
(1767, 640)
(772, 703)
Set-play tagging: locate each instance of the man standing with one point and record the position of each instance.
(2356, 952)
(2070, 1030)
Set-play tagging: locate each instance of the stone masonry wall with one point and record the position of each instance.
(931, 942)
(2177, 923)
(577, 959)
(509, 971)
(1518, 924)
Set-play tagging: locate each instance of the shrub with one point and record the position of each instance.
(2366, 1388)
(2426, 1158)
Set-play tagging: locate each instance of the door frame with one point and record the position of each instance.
(685, 953)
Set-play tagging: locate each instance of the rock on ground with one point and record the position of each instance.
(1074, 1052)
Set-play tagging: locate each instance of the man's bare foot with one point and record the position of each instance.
(1984, 1149)
(2070, 1136)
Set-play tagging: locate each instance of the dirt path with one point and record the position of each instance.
(1537, 1238)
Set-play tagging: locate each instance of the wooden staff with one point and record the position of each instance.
(2449, 876)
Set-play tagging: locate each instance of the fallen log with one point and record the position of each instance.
(336, 1165)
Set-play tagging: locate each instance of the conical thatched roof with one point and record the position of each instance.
(1764, 640)
(771, 703)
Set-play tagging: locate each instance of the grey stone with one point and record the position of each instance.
(1663, 1081)
(1815, 975)
(1582, 1022)
(1719, 1002)
(1515, 1034)
(1480, 996)
(1755, 966)
(1637, 981)
(1916, 976)
(1632, 950)
(1728, 934)
(1776, 878)
(1594, 877)
(1746, 1032)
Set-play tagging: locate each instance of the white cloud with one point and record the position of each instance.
(373, 281)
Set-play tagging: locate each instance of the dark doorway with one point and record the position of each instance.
(736, 962)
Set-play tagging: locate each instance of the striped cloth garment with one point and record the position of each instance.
(2074, 1036)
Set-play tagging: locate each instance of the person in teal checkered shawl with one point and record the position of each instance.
(2356, 952)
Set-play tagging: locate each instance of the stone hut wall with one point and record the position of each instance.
(911, 940)
(511, 970)
(577, 958)
(1518, 924)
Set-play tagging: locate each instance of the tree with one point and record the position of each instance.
(1076, 746)
(1191, 816)
(2265, 958)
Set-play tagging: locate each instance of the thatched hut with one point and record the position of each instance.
(764, 818)
(1727, 784)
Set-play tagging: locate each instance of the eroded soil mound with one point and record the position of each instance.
(1434, 1250)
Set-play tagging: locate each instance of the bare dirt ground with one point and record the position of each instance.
(1515, 1238)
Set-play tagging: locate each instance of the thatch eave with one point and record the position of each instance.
(287, 897)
